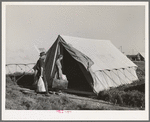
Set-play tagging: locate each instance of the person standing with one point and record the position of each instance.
(59, 67)
(39, 71)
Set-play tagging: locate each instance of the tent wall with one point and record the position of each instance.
(103, 80)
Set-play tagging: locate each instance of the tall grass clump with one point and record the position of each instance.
(130, 98)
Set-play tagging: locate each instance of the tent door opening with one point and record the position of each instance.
(75, 76)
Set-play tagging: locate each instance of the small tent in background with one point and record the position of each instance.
(89, 65)
(141, 56)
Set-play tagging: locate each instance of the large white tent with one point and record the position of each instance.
(109, 68)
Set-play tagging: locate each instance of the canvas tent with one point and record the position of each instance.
(93, 65)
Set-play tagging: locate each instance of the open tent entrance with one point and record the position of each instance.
(71, 68)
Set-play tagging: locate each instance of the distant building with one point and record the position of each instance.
(141, 56)
(132, 57)
(138, 57)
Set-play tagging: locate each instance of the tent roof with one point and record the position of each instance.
(102, 52)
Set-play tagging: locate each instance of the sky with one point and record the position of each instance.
(40, 25)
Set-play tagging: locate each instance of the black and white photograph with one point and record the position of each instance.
(75, 61)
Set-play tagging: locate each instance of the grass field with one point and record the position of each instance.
(126, 97)
(18, 100)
